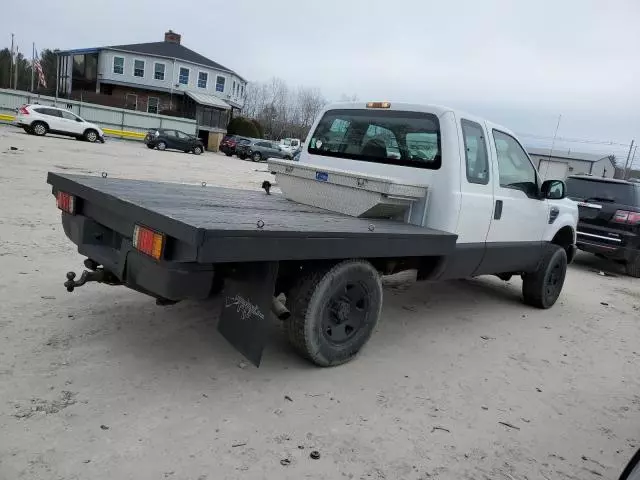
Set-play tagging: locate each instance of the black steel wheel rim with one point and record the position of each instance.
(346, 313)
(554, 282)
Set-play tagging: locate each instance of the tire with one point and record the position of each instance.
(228, 154)
(334, 311)
(161, 146)
(633, 267)
(242, 157)
(150, 146)
(256, 157)
(39, 128)
(197, 150)
(542, 288)
(91, 136)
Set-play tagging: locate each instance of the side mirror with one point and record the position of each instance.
(632, 472)
(553, 190)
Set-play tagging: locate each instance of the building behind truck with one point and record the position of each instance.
(560, 164)
(157, 77)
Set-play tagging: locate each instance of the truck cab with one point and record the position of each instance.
(483, 185)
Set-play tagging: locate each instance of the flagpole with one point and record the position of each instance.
(11, 63)
(33, 63)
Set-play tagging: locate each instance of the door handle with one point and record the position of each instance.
(497, 213)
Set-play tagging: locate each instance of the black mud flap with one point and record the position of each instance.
(248, 296)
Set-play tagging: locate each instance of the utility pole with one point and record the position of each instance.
(11, 62)
(15, 71)
(627, 167)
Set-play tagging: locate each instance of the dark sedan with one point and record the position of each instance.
(164, 139)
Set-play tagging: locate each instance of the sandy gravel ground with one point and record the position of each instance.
(461, 380)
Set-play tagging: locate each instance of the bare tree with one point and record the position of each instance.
(283, 112)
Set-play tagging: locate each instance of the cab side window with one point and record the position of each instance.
(516, 170)
(475, 151)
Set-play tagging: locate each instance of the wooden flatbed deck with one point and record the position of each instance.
(231, 225)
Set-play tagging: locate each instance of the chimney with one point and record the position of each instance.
(172, 37)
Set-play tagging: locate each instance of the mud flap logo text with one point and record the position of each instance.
(244, 307)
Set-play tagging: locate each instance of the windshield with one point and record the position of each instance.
(410, 139)
(286, 142)
(582, 189)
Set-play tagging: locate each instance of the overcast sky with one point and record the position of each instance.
(519, 63)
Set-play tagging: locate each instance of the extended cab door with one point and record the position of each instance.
(514, 242)
(476, 199)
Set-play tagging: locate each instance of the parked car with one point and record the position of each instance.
(229, 143)
(609, 223)
(175, 139)
(259, 150)
(290, 145)
(242, 147)
(42, 119)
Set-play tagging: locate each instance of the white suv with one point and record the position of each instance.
(42, 119)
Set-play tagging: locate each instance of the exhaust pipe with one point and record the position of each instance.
(278, 308)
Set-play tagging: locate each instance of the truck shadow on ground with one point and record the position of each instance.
(590, 263)
(186, 334)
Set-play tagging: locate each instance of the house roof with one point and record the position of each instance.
(209, 100)
(171, 50)
(566, 155)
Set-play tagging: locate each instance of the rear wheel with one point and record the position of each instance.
(91, 136)
(542, 288)
(162, 146)
(39, 128)
(334, 310)
(197, 150)
(256, 157)
(633, 267)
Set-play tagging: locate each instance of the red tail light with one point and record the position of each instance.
(148, 241)
(66, 202)
(24, 111)
(623, 216)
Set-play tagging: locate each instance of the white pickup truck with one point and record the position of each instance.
(478, 207)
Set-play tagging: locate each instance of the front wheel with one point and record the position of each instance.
(334, 310)
(256, 157)
(542, 288)
(91, 136)
(162, 146)
(197, 150)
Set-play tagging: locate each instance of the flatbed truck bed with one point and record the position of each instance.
(253, 244)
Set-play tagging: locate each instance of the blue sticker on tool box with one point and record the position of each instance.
(322, 176)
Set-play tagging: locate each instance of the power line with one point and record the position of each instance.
(573, 140)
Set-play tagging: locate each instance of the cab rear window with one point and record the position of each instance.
(409, 139)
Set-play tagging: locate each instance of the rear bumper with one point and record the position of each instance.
(160, 279)
(591, 243)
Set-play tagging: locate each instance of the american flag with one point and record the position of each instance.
(38, 68)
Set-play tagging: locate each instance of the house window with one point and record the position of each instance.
(203, 77)
(183, 78)
(152, 104)
(241, 90)
(118, 65)
(220, 84)
(158, 71)
(138, 68)
(234, 89)
(131, 101)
